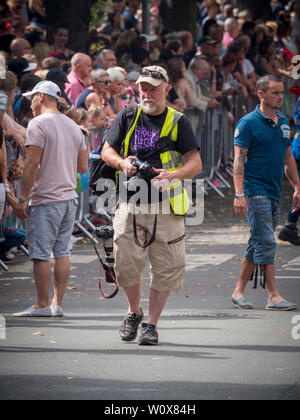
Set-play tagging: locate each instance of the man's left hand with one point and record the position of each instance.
(164, 179)
(296, 201)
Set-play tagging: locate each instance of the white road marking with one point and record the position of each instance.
(204, 261)
(293, 265)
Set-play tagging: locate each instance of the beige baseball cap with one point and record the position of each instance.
(154, 75)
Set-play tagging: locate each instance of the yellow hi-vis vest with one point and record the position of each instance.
(171, 160)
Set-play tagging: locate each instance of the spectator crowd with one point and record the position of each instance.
(226, 56)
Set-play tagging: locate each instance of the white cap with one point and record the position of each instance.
(153, 80)
(149, 38)
(47, 87)
(30, 67)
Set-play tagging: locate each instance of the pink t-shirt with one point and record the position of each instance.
(227, 39)
(61, 140)
(75, 87)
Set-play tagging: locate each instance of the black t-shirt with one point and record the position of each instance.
(146, 135)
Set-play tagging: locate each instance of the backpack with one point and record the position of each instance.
(98, 168)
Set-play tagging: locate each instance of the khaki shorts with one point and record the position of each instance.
(166, 254)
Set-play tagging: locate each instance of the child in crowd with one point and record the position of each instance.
(98, 120)
(83, 120)
(14, 237)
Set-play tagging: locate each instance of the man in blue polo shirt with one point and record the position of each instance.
(262, 154)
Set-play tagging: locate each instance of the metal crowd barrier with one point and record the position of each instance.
(83, 195)
(83, 211)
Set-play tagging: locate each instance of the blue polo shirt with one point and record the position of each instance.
(267, 144)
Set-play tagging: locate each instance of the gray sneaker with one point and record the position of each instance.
(284, 305)
(149, 335)
(129, 327)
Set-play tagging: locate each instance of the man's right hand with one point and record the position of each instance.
(127, 167)
(240, 206)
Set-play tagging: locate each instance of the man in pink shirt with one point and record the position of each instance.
(81, 69)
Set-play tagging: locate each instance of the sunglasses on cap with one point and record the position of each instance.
(154, 74)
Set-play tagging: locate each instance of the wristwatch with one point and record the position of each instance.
(22, 199)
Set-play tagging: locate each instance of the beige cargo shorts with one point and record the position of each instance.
(166, 254)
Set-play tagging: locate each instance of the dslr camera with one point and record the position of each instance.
(144, 171)
(104, 232)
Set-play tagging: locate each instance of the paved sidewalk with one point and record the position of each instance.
(208, 349)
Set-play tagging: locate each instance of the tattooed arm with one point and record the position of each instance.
(240, 204)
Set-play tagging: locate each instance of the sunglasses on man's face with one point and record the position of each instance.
(106, 82)
(154, 74)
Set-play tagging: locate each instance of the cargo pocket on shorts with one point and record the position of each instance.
(167, 258)
(175, 241)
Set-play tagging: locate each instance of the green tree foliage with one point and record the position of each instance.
(73, 14)
(178, 15)
(258, 8)
(98, 12)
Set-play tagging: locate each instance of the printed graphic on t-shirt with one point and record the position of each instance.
(236, 133)
(285, 131)
(144, 139)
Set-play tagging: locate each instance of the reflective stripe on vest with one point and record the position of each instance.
(171, 160)
(129, 134)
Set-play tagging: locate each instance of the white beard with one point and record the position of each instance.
(151, 107)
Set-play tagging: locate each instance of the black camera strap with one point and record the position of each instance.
(164, 144)
(153, 236)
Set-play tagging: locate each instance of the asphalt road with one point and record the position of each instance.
(208, 349)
